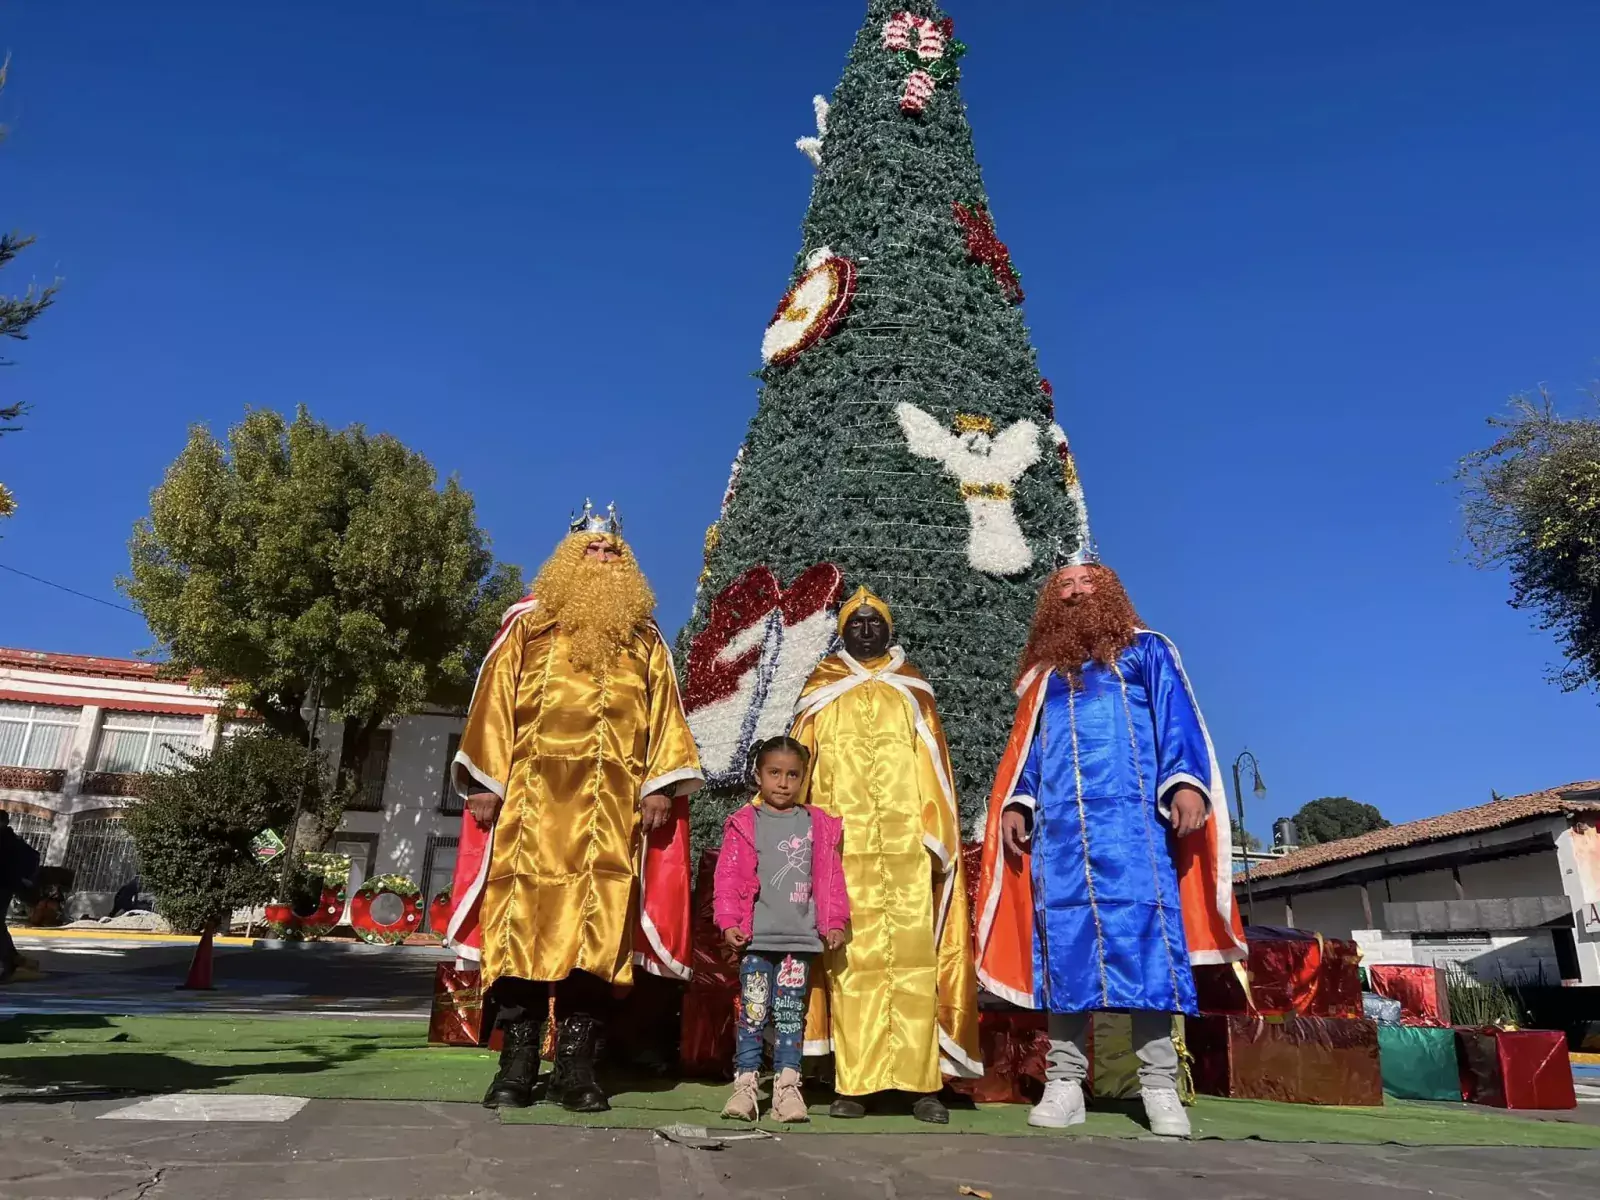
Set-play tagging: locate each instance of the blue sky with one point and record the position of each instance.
(1281, 261)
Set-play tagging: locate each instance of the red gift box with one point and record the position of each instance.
(1013, 1046)
(1290, 971)
(1291, 1059)
(1422, 991)
(706, 1037)
(1515, 1068)
(458, 1017)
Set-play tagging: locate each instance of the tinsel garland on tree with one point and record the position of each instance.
(904, 433)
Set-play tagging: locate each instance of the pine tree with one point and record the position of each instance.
(836, 469)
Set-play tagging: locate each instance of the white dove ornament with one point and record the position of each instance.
(986, 465)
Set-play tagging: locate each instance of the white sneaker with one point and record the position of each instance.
(1165, 1112)
(1061, 1106)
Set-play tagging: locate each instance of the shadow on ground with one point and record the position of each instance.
(56, 1057)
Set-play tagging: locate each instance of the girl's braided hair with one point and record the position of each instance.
(763, 748)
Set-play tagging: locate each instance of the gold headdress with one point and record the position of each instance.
(864, 599)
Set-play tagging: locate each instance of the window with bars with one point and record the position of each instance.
(36, 735)
(33, 829)
(132, 743)
(450, 800)
(100, 855)
(438, 864)
(374, 774)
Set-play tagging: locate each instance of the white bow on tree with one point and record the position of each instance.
(986, 465)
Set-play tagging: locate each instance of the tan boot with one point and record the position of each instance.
(788, 1105)
(745, 1103)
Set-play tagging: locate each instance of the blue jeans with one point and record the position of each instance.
(772, 987)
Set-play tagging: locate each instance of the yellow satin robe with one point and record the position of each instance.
(575, 756)
(901, 993)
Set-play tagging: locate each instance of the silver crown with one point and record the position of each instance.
(1086, 553)
(590, 521)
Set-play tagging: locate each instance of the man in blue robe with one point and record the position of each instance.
(1110, 813)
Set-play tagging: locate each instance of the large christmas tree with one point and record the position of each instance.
(904, 434)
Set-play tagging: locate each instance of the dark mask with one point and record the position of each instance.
(866, 634)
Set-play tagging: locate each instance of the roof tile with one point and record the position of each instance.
(1498, 813)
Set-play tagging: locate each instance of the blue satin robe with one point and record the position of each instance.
(1108, 931)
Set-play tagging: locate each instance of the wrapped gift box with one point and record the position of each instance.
(1422, 992)
(1292, 1059)
(1114, 1067)
(458, 1017)
(1521, 1068)
(1014, 1047)
(1419, 1062)
(1289, 971)
(706, 1035)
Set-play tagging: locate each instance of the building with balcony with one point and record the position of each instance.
(78, 732)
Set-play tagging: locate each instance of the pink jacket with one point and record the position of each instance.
(738, 881)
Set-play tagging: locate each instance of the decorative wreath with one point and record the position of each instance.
(329, 909)
(287, 925)
(811, 309)
(367, 927)
(439, 912)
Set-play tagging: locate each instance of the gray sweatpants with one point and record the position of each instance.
(1152, 1042)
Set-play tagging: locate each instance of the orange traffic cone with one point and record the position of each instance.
(199, 979)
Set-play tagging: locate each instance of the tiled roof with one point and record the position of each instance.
(78, 664)
(1572, 797)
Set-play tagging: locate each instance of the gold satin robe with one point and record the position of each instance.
(901, 1003)
(575, 757)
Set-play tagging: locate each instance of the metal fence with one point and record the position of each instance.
(33, 829)
(100, 855)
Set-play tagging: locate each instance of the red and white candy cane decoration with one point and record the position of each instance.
(919, 90)
(928, 41)
(919, 39)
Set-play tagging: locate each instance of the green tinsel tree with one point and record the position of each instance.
(827, 472)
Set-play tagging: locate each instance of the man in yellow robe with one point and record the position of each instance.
(901, 1006)
(576, 763)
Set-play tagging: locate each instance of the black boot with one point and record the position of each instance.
(512, 1086)
(575, 1054)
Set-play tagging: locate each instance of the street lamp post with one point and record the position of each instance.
(1260, 790)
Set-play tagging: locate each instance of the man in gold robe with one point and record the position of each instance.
(901, 1004)
(576, 763)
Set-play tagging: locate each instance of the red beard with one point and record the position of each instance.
(1097, 628)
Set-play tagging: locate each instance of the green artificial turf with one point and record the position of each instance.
(335, 1059)
(341, 1058)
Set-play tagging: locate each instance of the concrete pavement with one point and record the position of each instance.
(346, 1150)
(138, 975)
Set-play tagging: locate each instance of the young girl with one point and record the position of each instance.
(779, 899)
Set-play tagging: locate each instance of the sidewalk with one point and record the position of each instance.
(355, 1150)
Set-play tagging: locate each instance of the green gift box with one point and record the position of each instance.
(1419, 1062)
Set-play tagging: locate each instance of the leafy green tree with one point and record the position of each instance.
(1334, 818)
(1243, 837)
(193, 824)
(299, 565)
(16, 312)
(873, 446)
(1532, 505)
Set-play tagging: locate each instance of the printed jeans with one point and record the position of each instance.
(772, 987)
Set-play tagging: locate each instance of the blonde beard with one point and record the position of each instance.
(599, 605)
